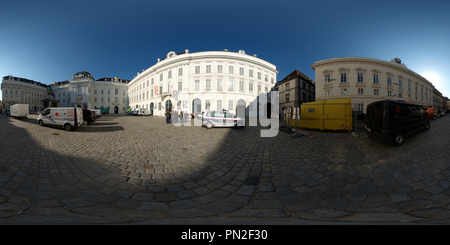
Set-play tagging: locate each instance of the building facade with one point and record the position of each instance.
(366, 80)
(193, 82)
(16, 90)
(295, 89)
(81, 91)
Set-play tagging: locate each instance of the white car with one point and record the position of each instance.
(214, 118)
(67, 117)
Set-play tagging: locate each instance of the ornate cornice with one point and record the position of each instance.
(369, 61)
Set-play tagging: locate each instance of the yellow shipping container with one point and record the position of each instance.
(326, 115)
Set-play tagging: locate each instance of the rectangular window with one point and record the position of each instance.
(219, 84)
(327, 92)
(197, 85)
(102, 92)
(250, 87)
(409, 86)
(400, 83)
(153, 80)
(208, 84)
(170, 74)
(230, 69)
(180, 86)
(230, 105)
(250, 73)
(95, 92)
(286, 86)
(230, 85)
(259, 89)
(180, 72)
(375, 78)
(241, 71)
(286, 98)
(208, 68)
(219, 68)
(259, 75)
(241, 86)
(375, 92)
(161, 77)
(197, 69)
(327, 78)
(219, 105)
(389, 81)
(343, 77)
(344, 91)
(360, 77)
(116, 99)
(208, 105)
(389, 93)
(360, 91)
(400, 95)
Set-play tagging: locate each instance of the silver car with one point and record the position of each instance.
(216, 118)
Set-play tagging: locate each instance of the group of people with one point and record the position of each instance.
(174, 116)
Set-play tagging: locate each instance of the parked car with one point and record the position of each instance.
(68, 117)
(214, 118)
(88, 116)
(98, 112)
(390, 121)
(361, 115)
(95, 115)
(442, 113)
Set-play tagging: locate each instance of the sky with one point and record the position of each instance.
(49, 41)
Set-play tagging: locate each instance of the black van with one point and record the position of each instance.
(391, 121)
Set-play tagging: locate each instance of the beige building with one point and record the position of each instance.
(366, 80)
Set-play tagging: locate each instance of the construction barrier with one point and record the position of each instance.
(325, 115)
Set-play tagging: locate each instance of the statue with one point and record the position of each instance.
(50, 92)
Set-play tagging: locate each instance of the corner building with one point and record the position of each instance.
(209, 80)
(366, 80)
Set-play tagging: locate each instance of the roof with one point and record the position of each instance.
(295, 74)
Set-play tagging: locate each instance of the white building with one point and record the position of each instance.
(203, 80)
(82, 91)
(16, 90)
(366, 80)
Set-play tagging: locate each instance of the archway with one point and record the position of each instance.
(169, 105)
(151, 108)
(196, 106)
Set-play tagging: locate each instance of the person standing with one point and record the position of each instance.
(181, 116)
(167, 116)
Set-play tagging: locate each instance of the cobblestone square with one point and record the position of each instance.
(128, 165)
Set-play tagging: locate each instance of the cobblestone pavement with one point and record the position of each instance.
(129, 169)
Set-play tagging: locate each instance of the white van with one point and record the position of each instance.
(20, 111)
(67, 117)
(97, 111)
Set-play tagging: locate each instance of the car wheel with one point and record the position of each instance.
(399, 139)
(68, 127)
(209, 125)
(427, 126)
(41, 123)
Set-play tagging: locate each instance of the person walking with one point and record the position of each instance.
(181, 116)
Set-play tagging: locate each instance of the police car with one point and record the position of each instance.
(216, 118)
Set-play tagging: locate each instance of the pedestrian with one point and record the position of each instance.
(181, 116)
(167, 116)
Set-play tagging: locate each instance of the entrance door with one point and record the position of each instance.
(151, 108)
(169, 105)
(116, 109)
(196, 107)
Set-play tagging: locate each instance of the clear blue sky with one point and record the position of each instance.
(49, 41)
